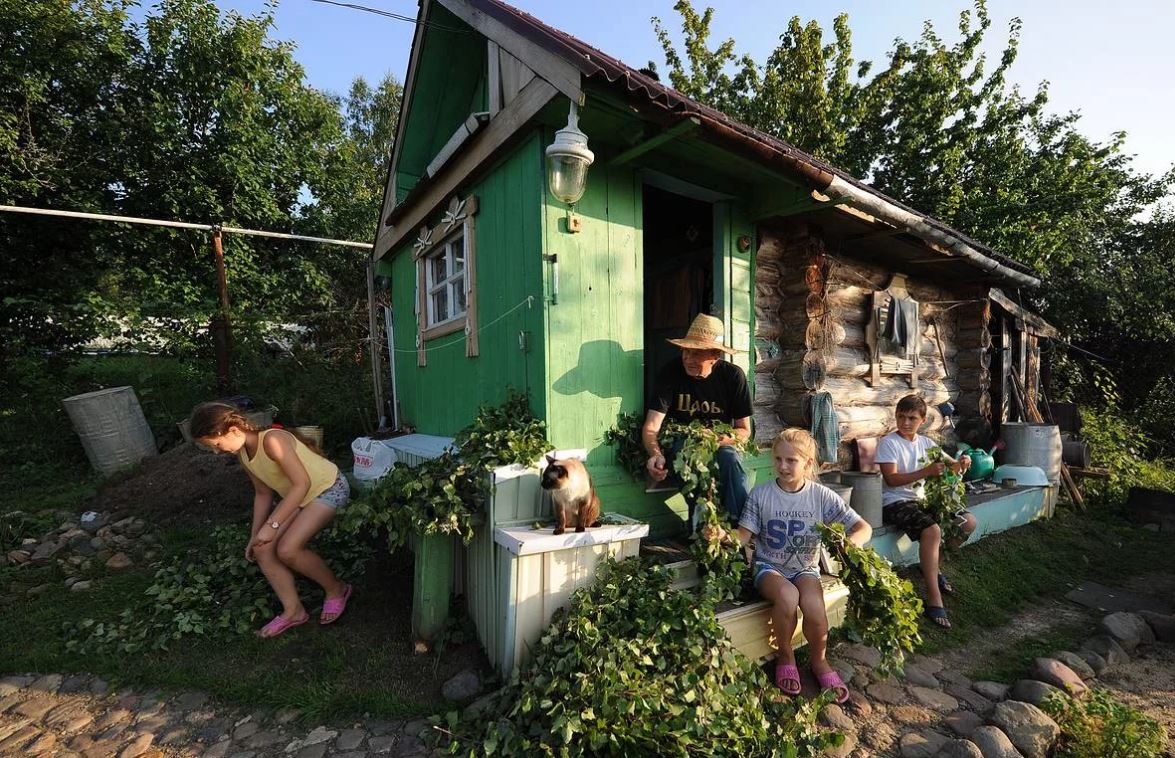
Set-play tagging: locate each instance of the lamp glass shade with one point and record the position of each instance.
(567, 176)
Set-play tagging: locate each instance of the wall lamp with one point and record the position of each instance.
(568, 159)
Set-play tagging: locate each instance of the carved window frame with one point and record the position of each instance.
(459, 219)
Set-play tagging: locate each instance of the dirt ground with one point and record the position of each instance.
(183, 485)
(1146, 682)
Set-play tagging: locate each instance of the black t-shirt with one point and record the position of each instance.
(722, 396)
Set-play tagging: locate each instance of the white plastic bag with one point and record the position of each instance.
(373, 460)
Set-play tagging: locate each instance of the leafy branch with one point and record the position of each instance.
(715, 546)
(883, 608)
(946, 496)
(634, 667)
(442, 495)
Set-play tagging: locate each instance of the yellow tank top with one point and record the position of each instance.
(322, 472)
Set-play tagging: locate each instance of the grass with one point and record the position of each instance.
(362, 664)
(1007, 573)
(1012, 663)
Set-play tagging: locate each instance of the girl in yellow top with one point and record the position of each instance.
(310, 489)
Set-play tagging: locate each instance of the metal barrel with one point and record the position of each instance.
(1034, 445)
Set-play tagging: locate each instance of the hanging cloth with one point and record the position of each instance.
(899, 323)
(823, 425)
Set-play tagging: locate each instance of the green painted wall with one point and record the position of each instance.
(450, 84)
(443, 396)
(595, 342)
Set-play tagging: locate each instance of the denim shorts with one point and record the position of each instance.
(338, 494)
(762, 569)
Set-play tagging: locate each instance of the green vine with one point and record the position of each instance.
(209, 590)
(946, 496)
(1099, 726)
(715, 546)
(625, 437)
(883, 608)
(443, 495)
(503, 434)
(634, 667)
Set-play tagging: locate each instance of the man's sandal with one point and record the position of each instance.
(831, 680)
(938, 615)
(279, 624)
(787, 678)
(944, 585)
(334, 606)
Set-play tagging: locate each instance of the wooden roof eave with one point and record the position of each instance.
(474, 154)
(1033, 323)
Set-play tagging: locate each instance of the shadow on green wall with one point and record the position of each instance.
(606, 370)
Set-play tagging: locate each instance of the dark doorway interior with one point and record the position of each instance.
(678, 271)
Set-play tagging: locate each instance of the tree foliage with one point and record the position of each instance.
(937, 126)
(190, 114)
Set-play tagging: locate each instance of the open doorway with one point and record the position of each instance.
(678, 271)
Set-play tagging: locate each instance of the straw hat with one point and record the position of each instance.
(705, 333)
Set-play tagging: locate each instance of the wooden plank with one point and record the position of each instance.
(479, 150)
(515, 76)
(528, 605)
(1038, 325)
(493, 77)
(685, 126)
(432, 585)
(565, 77)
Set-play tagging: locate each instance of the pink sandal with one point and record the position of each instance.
(280, 624)
(787, 672)
(335, 606)
(832, 681)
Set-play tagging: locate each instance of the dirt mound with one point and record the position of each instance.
(184, 484)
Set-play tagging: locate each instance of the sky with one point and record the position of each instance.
(1112, 62)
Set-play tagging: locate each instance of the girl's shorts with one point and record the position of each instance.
(762, 569)
(338, 494)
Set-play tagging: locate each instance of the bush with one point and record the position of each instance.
(1098, 726)
(634, 667)
(209, 590)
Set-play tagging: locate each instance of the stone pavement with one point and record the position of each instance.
(76, 717)
(935, 712)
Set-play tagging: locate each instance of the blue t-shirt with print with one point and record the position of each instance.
(784, 523)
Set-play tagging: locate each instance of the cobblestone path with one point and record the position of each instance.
(77, 716)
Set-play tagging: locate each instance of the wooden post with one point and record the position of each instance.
(221, 332)
(432, 584)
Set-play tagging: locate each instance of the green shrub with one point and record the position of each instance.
(883, 608)
(1099, 726)
(634, 667)
(442, 495)
(209, 590)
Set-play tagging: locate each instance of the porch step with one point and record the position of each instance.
(748, 624)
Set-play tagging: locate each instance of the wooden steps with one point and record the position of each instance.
(747, 622)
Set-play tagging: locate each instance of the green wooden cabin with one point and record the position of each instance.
(492, 288)
(496, 284)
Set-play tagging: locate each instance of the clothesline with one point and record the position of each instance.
(527, 301)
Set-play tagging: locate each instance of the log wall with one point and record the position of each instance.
(809, 303)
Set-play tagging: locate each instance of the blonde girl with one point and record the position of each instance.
(779, 523)
(310, 491)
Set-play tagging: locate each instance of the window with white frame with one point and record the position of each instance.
(446, 279)
(446, 293)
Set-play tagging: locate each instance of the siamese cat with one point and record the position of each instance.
(573, 498)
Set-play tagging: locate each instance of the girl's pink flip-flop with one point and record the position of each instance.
(831, 681)
(280, 624)
(335, 605)
(787, 678)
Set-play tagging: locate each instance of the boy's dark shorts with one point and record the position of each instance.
(911, 518)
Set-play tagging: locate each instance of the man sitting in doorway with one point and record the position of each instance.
(701, 386)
